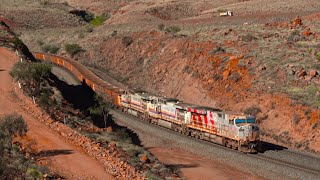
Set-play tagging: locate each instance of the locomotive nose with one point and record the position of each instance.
(254, 132)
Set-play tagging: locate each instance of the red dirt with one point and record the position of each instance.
(73, 165)
(194, 167)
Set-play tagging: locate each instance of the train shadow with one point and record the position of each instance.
(82, 97)
(179, 166)
(267, 146)
(49, 153)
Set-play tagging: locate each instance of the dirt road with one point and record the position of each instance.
(65, 159)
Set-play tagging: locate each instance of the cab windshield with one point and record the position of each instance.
(247, 120)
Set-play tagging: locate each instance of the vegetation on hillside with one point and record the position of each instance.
(13, 162)
(31, 76)
(72, 49)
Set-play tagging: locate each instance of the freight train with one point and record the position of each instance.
(228, 129)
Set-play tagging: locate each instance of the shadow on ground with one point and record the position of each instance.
(179, 166)
(82, 97)
(266, 146)
(49, 153)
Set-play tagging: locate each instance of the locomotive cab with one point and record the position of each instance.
(248, 132)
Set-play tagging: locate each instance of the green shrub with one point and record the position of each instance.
(152, 176)
(173, 29)
(318, 55)
(11, 126)
(30, 71)
(99, 20)
(47, 48)
(72, 49)
(31, 74)
(18, 44)
(33, 172)
(44, 99)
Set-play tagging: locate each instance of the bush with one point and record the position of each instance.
(99, 20)
(89, 29)
(33, 172)
(248, 38)
(235, 77)
(47, 48)
(114, 33)
(30, 71)
(216, 50)
(44, 2)
(173, 29)
(253, 110)
(318, 55)
(72, 49)
(161, 27)
(295, 36)
(315, 125)
(127, 40)
(88, 17)
(18, 44)
(295, 119)
(32, 75)
(44, 99)
(11, 126)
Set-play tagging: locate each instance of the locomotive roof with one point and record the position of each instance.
(188, 105)
(167, 99)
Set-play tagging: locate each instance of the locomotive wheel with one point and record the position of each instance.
(224, 142)
(201, 136)
(173, 127)
(234, 146)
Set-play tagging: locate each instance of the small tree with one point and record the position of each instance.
(101, 108)
(32, 74)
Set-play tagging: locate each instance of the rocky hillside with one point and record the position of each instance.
(242, 73)
(9, 40)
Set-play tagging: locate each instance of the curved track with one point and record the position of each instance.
(96, 83)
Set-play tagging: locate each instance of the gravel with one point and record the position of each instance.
(152, 135)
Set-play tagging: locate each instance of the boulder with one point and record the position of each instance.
(262, 68)
(302, 73)
(313, 73)
(143, 158)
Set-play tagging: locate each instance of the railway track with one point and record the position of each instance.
(261, 160)
(278, 161)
